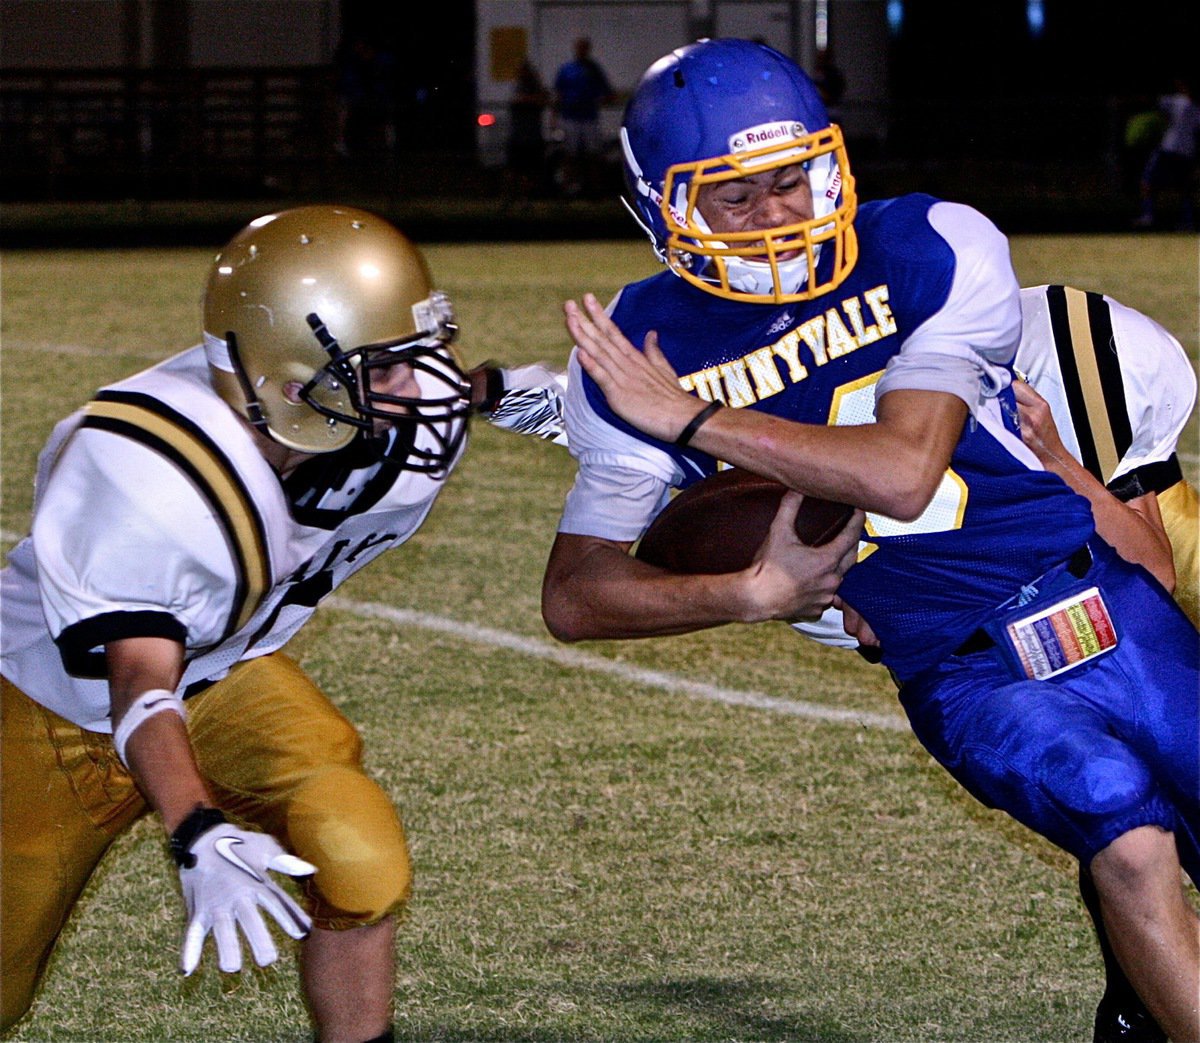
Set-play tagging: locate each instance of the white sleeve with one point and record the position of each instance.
(1158, 381)
(1160, 386)
(119, 529)
(966, 347)
(622, 482)
(1037, 363)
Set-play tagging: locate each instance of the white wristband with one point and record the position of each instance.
(145, 705)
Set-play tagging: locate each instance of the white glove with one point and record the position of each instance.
(532, 403)
(535, 375)
(223, 871)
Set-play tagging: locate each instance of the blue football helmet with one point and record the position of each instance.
(719, 110)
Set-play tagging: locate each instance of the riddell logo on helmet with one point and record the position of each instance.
(765, 134)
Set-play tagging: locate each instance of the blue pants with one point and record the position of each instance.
(1088, 755)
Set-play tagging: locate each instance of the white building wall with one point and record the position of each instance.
(628, 35)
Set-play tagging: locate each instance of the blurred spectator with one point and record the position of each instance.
(366, 86)
(1142, 132)
(1171, 168)
(581, 86)
(526, 152)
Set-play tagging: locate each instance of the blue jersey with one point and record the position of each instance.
(997, 521)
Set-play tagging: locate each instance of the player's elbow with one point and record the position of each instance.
(907, 508)
(576, 594)
(562, 608)
(906, 500)
(910, 485)
(562, 617)
(917, 432)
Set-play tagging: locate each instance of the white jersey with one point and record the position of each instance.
(157, 515)
(1120, 387)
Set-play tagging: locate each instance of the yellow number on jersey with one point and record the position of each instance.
(854, 403)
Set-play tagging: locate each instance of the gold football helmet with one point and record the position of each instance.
(302, 305)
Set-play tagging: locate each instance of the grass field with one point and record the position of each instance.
(721, 836)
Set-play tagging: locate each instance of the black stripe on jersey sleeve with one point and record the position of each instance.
(1149, 478)
(163, 448)
(1060, 327)
(1108, 364)
(192, 432)
(81, 645)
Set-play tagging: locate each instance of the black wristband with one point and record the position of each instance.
(492, 387)
(201, 820)
(693, 426)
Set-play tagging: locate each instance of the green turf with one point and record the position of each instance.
(596, 858)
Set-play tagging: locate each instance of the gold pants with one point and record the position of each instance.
(1180, 509)
(277, 755)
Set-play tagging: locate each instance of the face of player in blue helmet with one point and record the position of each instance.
(737, 175)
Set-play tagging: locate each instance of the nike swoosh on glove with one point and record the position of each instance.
(227, 888)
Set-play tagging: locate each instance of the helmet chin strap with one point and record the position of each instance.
(659, 250)
(254, 412)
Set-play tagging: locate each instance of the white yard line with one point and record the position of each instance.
(576, 660)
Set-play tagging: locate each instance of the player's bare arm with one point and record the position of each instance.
(1135, 529)
(916, 431)
(594, 589)
(223, 869)
(157, 751)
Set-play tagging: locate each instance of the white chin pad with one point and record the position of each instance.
(757, 277)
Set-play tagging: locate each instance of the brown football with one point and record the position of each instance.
(718, 524)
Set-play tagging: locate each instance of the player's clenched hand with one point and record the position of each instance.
(790, 580)
(641, 386)
(224, 871)
(1038, 430)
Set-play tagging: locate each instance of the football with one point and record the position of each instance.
(718, 524)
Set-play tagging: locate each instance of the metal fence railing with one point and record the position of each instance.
(67, 133)
(71, 134)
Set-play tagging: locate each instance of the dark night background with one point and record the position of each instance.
(1097, 49)
(977, 109)
(969, 49)
(434, 45)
